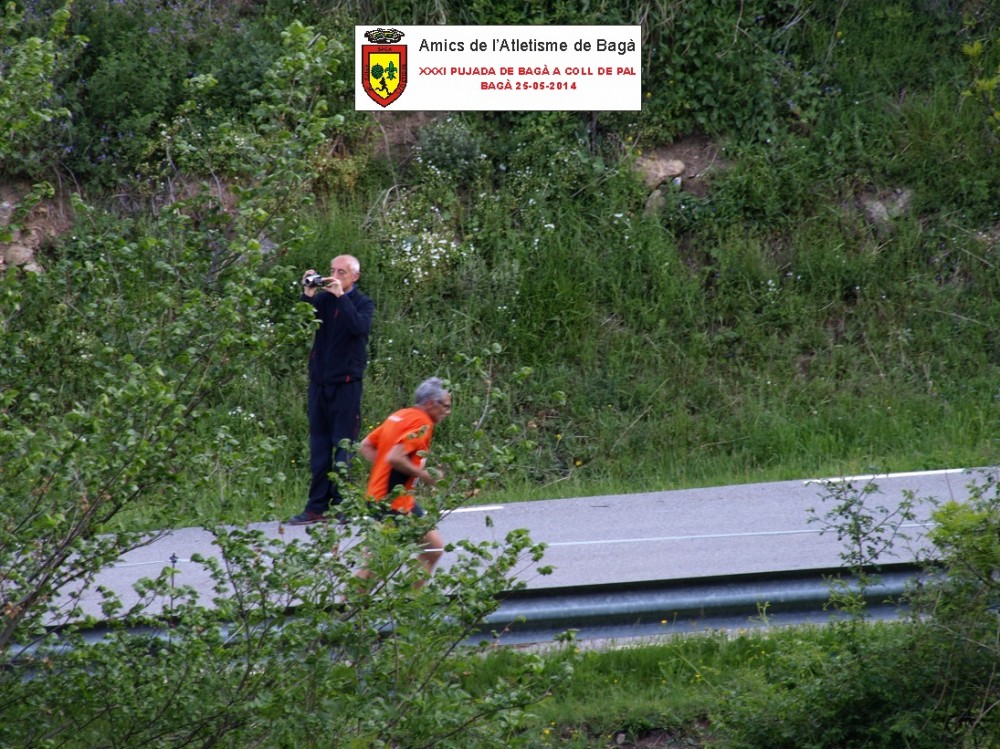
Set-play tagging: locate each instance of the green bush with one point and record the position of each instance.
(32, 108)
(451, 150)
(293, 648)
(882, 693)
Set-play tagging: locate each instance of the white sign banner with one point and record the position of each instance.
(498, 68)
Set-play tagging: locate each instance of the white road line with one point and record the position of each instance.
(612, 541)
(481, 508)
(873, 476)
(163, 562)
(703, 537)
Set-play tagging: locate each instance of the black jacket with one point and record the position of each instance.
(340, 347)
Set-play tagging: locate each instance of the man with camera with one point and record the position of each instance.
(337, 364)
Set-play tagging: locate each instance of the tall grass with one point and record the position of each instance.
(839, 351)
(731, 355)
(681, 687)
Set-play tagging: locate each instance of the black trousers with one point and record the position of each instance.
(334, 416)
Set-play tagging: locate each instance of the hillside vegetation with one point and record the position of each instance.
(821, 298)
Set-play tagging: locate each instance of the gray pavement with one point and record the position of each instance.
(682, 535)
(696, 533)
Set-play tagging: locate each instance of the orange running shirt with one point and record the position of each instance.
(411, 428)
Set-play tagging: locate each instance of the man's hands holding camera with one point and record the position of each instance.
(313, 282)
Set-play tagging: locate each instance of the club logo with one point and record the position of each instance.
(383, 66)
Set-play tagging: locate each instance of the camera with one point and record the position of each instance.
(313, 279)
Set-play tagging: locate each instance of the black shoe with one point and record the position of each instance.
(308, 517)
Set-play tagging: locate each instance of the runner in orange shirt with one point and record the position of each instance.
(397, 450)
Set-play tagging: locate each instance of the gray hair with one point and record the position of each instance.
(352, 263)
(431, 389)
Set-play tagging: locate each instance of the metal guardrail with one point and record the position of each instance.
(689, 606)
(658, 608)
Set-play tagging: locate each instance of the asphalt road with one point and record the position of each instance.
(695, 533)
(682, 535)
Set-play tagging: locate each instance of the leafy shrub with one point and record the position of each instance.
(808, 694)
(290, 647)
(451, 149)
(422, 235)
(959, 598)
(127, 82)
(31, 106)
